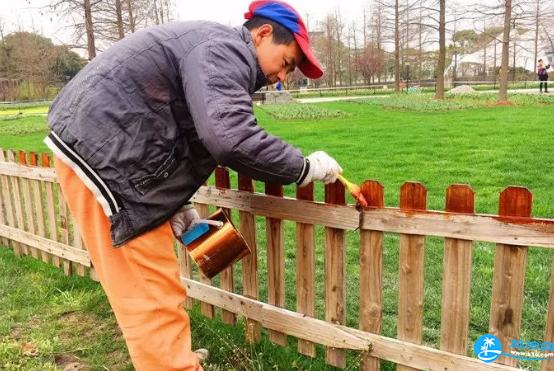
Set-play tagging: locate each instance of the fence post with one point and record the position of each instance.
(305, 269)
(335, 271)
(413, 196)
(275, 263)
(249, 262)
(222, 181)
(509, 275)
(456, 282)
(371, 274)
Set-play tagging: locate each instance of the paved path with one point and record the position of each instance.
(332, 99)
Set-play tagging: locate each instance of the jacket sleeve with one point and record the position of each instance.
(216, 77)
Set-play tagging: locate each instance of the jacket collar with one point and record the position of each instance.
(259, 80)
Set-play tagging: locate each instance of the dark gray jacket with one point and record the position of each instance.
(146, 122)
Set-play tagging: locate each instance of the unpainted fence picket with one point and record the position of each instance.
(7, 203)
(222, 181)
(305, 269)
(253, 331)
(371, 274)
(335, 272)
(27, 200)
(21, 249)
(275, 239)
(206, 309)
(51, 210)
(548, 364)
(38, 195)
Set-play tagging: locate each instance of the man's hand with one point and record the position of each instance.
(322, 167)
(184, 220)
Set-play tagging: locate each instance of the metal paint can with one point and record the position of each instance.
(219, 247)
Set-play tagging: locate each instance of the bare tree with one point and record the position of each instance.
(442, 50)
(504, 67)
(81, 12)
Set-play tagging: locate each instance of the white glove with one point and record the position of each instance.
(323, 168)
(184, 219)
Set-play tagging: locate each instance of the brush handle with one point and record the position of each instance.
(346, 183)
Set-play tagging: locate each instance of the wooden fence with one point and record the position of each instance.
(34, 220)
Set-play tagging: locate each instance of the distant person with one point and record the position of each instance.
(279, 86)
(542, 72)
(142, 127)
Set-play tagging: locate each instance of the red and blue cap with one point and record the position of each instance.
(285, 15)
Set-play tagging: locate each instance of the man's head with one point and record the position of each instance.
(281, 40)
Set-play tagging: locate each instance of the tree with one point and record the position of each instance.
(81, 13)
(442, 50)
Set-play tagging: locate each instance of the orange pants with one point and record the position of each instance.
(141, 280)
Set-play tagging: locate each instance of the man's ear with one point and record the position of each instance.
(265, 30)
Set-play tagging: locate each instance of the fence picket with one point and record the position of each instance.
(413, 196)
(305, 269)
(253, 331)
(206, 309)
(37, 187)
(371, 274)
(456, 282)
(548, 364)
(28, 215)
(51, 210)
(222, 181)
(275, 237)
(335, 272)
(18, 208)
(5, 203)
(64, 229)
(509, 275)
(185, 269)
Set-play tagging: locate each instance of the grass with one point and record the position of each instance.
(487, 147)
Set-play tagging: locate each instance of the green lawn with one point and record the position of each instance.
(488, 148)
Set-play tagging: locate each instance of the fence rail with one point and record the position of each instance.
(35, 221)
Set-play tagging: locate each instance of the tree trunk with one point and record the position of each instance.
(504, 66)
(537, 18)
(89, 29)
(396, 48)
(118, 11)
(442, 50)
(156, 12)
(131, 17)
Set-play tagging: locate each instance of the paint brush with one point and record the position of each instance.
(354, 190)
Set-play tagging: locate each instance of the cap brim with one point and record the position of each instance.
(309, 66)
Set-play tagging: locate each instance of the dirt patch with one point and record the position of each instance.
(69, 362)
(501, 104)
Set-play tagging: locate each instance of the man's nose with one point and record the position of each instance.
(282, 75)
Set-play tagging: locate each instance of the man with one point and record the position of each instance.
(137, 132)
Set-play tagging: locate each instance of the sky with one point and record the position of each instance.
(33, 14)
